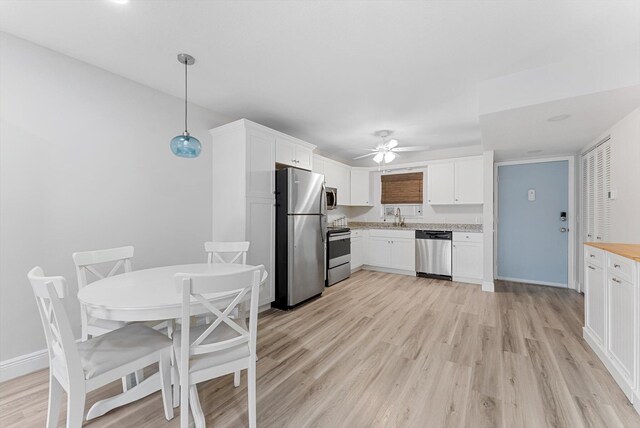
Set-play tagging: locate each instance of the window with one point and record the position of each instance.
(402, 188)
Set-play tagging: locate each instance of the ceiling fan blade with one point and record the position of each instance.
(364, 156)
(411, 149)
(391, 144)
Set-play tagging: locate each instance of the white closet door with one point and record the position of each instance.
(591, 196)
(585, 198)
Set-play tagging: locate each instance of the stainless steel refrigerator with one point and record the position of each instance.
(301, 233)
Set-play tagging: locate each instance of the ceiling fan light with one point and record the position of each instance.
(378, 157)
(392, 143)
(389, 157)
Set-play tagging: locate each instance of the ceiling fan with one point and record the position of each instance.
(387, 150)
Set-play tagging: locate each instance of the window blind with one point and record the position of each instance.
(402, 188)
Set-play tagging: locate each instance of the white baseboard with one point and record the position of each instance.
(529, 281)
(636, 401)
(488, 286)
(388, 270)
(466, 280)
(23, 364)
(610, 364)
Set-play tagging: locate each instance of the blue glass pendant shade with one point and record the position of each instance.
(186, 146)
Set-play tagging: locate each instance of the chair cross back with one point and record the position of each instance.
(57, 329)
(233, 287)
(85, 262)
(236, 250)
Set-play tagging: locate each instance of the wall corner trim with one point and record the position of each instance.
(488, 286)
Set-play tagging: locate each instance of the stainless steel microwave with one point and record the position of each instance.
(332, 198)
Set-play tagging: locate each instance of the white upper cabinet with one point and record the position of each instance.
(260, 164)
(293, 153)
(456, 182)
(468, 181)
(339, 176)
(440, 184)
(360, 187)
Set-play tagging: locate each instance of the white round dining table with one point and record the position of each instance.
(147, 294)
(144, 295)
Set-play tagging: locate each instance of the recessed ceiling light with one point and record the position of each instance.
(534, 151)
(120, 1)
(558, 118)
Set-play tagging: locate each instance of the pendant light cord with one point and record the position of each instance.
(185, 95)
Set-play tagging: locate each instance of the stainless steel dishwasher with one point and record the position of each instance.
(433, 254)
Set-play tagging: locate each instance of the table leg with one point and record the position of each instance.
(144, 388)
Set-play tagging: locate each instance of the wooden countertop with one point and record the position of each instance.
(630, 251)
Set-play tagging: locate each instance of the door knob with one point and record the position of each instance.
(563, 229)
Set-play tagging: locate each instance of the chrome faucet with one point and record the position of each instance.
(398, 221)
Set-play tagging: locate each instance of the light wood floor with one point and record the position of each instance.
(383, 350)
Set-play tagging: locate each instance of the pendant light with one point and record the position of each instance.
(185, 145)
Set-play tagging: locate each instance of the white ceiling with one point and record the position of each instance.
(330, 72)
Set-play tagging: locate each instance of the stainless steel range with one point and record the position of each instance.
(338, 255)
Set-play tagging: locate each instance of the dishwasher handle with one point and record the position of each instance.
(434, 234)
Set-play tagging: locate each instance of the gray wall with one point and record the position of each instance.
(85, 164)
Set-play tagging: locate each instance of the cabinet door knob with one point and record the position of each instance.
(591, 267)
(616, 280)
(615, 265)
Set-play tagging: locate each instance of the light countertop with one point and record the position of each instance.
(630, 251)
(454, 227)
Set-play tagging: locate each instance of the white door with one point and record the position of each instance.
(260, 160)
(285, 152)
(304, 157)
(360, 194)
(379, 251)
(469, 183)
(261, 234)
(621, 323)
(440, 184)
(595, 303)
(403, 254)
(467, 259)
(356, 253)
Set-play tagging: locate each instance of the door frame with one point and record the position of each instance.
(571, 214)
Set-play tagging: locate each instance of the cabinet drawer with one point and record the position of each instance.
(620, 267)
(467, 237)
(391, 233)
(356, 234)
(594, 256)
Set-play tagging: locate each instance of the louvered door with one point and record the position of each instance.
(596, 181)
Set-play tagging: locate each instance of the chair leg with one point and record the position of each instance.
(196, 408)
(251, 388)
(236, 379)
(75, 407)
(165, 381)
(175, 378)
(184, 401)
(55, 397)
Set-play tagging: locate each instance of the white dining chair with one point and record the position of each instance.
(78, 368)
(225, 346)
(86, 262)
(227, 252)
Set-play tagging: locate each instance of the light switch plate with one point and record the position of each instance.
(531, 194)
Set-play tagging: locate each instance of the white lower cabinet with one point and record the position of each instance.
(595, 303)
(612, 316)
(468, 260)
(261, 234)
(357, 250)
(620, 343)
(391, 249)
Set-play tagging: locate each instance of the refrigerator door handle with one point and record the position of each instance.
(323, 213)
